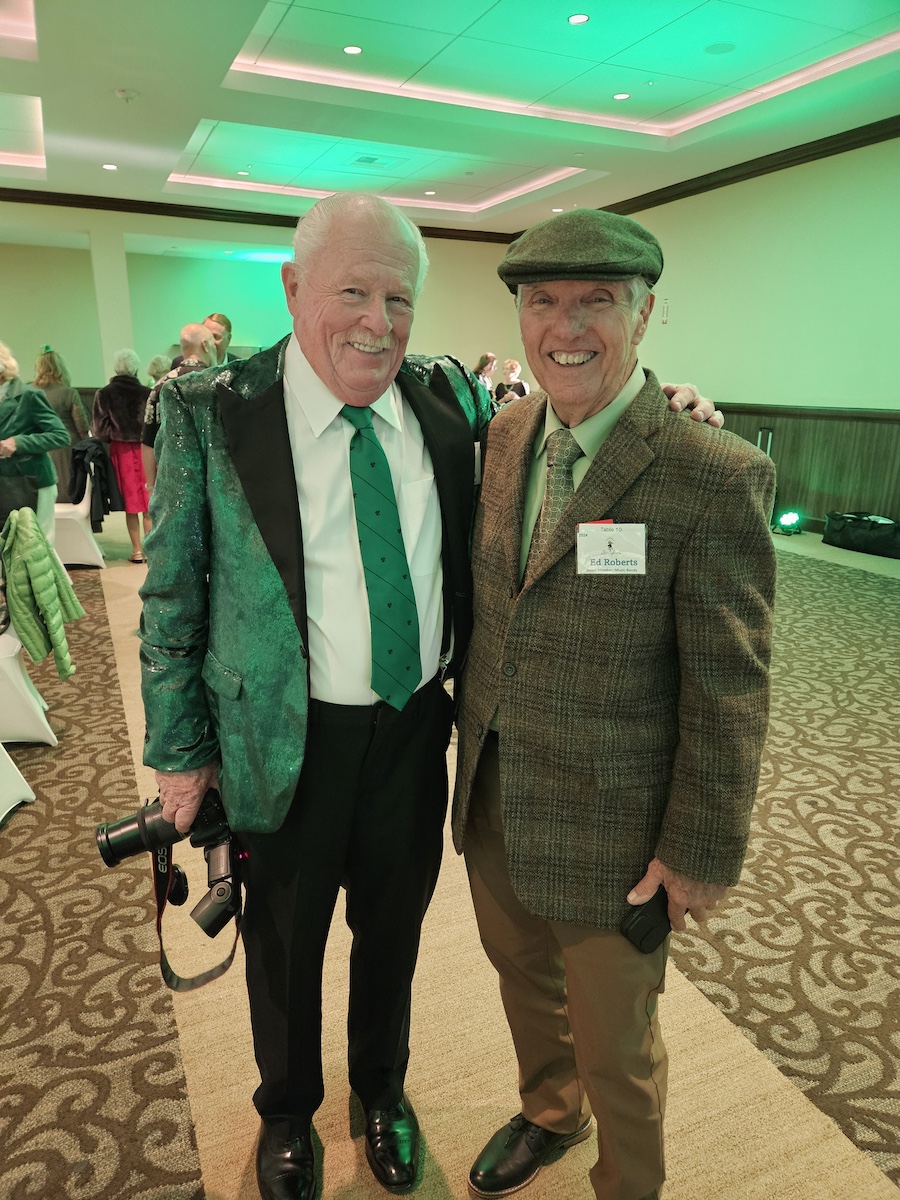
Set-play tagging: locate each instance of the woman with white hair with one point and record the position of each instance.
(29, 430)
(118, 419)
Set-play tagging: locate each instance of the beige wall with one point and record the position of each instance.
(47, 298)
(783, 290)
(780, 290)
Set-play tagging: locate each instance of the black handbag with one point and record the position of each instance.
(864, 532)
(17, 491)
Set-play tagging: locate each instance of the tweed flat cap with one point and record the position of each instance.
(586, 243)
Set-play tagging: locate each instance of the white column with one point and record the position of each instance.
(110, 269)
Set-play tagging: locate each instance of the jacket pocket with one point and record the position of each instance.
(221, 679)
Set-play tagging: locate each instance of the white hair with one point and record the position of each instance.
(314, 229)
(126, 362)
(9, 368)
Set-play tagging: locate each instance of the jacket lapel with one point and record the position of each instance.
(256, 433)
(512, 458)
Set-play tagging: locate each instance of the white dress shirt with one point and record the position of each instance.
(340, 640)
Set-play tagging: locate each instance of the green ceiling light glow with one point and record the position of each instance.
(878, 47)
(579, 19)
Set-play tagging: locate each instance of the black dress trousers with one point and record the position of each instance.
(367, 814)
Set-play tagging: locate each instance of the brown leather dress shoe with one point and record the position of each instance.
(516, 1153)
(392, 1146)
(285, 1168)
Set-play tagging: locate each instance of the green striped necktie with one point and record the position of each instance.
(396, 664)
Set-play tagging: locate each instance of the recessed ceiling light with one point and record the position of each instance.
(243, 172)
(720, 48)
(556, 210)
(229, 252)
(353, 49)
(110, 167)
(431, 193)
(622, 96)
(578, 154)
(579, 19)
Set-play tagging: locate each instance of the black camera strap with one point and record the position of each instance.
(163, 876)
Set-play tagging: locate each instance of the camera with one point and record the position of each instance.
(147, 829)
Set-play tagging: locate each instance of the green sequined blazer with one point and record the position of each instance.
(224, 637)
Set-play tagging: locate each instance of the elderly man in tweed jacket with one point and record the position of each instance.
(614, 698)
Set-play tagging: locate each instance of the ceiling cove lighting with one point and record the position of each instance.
(36, 162)
(786, 83)
(247, 185)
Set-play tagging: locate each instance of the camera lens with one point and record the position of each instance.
(147, 829)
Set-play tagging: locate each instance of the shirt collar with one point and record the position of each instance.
(319, 405)
(592, 433)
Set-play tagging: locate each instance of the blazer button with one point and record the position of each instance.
(509, 669)
(479, 730)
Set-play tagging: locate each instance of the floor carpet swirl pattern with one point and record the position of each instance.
(804, 957)
(93, 1103)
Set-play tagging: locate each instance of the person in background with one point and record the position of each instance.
(29, 430)
(220, 327)
(118, 419)
(157, 367)
(614, 700)
(512, 385)
(484, 370)
(198, 351)
(51, 375)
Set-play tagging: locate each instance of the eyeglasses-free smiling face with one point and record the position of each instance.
(353, 308)
(581, 339)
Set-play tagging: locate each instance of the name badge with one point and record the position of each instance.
(607, 549)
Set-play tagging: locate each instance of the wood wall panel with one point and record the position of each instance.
(828, 460)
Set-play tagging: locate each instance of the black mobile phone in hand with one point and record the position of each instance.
(647, 925)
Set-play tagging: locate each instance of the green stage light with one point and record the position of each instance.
(788, 523)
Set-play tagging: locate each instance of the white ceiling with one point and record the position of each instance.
(501, 108)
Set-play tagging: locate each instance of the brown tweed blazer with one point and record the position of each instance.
(633, 708)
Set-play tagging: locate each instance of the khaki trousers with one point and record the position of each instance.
(581, 1004)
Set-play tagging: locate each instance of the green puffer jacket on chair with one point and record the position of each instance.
(38, 591)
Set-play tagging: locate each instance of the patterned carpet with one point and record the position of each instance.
(805, 956)
(92, 1093)
(805, 959)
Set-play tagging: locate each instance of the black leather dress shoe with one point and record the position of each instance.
(392, 1146)
(285, 1169)
(515, 1154)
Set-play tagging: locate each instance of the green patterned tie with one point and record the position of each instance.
(562, 452)
(396, 664)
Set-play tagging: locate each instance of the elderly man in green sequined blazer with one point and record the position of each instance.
(258, 660)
